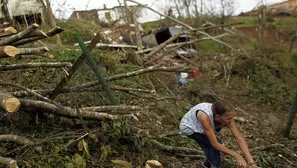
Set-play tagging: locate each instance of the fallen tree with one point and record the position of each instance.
(42, 106)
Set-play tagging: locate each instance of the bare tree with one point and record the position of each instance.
(226, 9)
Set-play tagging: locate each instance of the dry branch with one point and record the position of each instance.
(18, 36)
(8, 51)
(9, 102)
(45, 92)
(35, 65)
(181, 44)
(177, 21)
(161, 46)
(10, 163)
(41, 106)
(133, 73)
(121, 108)
(52, 32)
(176, 149)
(101, 45)
(7, 31)
(19, 140)
(33, 51)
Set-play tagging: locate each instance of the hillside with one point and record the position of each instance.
(259, 80)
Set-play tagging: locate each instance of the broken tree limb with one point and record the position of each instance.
(9, 102)
(101, 45)
(161, 46)
(75, 66)
(41, 106)
(35, 65)
(33, 51)
(19, 140)
(175, 149)
(190, 156)
(220, 26)
(133, 73)
(169, 17)
(8, 51)
(36, 33)
(215, 39)
(181, 44)
(123, 108)
(18, 36)
(7, 31)
(10, 163)
(45, 92)
(52, 32)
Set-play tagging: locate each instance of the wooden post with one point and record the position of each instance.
(96, 70)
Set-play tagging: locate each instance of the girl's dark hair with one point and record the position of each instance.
(220, 107)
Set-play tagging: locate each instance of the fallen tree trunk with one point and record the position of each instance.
(9, 102)
(133, 73)
(52, 32)
(41, 106)
(35, 65)
(8, 51)
(11, 39)
(10, 163)
(33, 51)
(45, 92)
(7, 31)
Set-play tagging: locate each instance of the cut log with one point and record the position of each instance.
(41, 106)
(7, 31)
(11, 163)
(35, 65)
(33, 51)
(52, 32)
(153, 164)
(8, 51)
(36, 33)
(9, 102)
(18, 36)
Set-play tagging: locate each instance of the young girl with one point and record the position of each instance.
(203, 121)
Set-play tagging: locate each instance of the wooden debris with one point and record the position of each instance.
(153, 164)
(8, 51)
(9, 102)
(10, 163)
(42, 106)
(19, 140)
(35, 65)
(7, 31)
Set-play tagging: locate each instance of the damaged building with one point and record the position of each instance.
(25, 12)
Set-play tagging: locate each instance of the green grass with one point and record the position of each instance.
(248, 21)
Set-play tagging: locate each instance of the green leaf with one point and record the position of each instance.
(122, 163)
(86, 150)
